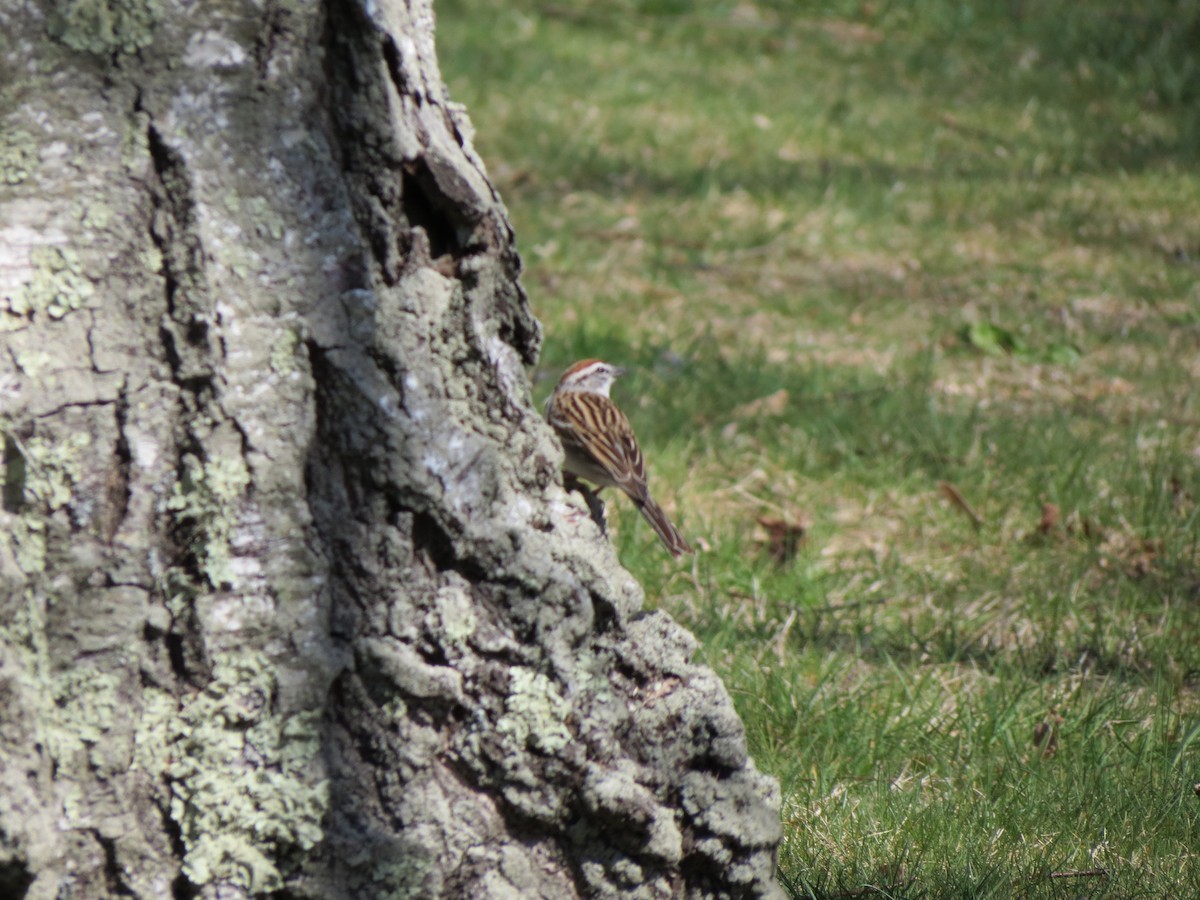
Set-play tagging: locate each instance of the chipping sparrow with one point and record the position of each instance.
(599, 443)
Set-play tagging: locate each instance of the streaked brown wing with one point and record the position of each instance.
(601, 430)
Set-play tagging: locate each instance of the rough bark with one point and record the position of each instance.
(291, 597)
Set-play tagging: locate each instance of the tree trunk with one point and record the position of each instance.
(292, 597)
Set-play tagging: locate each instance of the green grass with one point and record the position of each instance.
(864, 258)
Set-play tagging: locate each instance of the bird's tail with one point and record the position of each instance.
(666, 531)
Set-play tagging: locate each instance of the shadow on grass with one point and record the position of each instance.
(1083, 59)
(1086, 55)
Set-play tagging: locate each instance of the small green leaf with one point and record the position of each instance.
(1064, 354)
(992, 339)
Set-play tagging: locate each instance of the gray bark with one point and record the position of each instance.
(291, 597)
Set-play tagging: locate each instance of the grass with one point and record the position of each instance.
(916, 286)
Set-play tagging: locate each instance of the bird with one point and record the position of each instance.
(599, 444)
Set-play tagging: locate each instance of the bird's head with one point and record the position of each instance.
(591, 376)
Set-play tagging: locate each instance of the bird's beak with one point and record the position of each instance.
(618, 371)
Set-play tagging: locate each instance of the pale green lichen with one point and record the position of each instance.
(47, 470)
(238, 259)
(283, 352)
(87, 700)
(105, 27)
(267, 221)
(150, 259)
(535, 713)
(59, 285)
(178, 591)
(22, 632)
(206, 501)
(86, 704)
(395, 709)
(76, 707)
(18, 155)
(26, 540)
(134, 143)
(151, 751)
(96, 215)
(241, 789)
(401, 878)
(39, 477)
(455, 613)
(32, 360)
